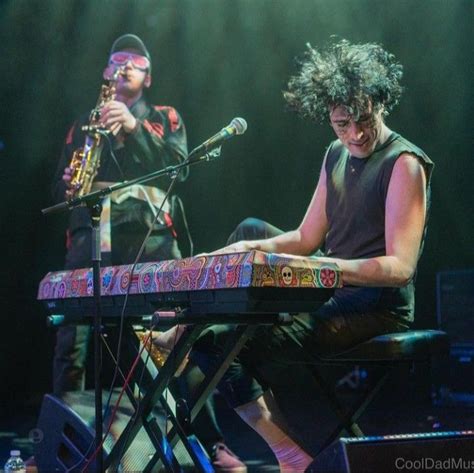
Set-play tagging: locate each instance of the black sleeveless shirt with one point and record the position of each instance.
(355, 208)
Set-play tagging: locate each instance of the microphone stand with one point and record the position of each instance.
(93, 201)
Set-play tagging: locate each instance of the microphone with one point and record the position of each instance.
(237, 126)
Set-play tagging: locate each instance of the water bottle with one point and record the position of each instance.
(15, 463)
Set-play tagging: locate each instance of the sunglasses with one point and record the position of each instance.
(122, 58)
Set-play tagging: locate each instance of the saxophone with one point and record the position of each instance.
(85, 161)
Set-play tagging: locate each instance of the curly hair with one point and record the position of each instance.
(344, 74)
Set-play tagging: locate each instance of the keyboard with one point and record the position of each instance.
(235, 283)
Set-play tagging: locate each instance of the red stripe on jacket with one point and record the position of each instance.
(172, 116)
(154, 127)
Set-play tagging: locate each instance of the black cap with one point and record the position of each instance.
(130, 41)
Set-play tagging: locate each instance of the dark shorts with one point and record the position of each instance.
(272, 350)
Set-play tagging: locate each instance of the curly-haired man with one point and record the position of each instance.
(368, 213)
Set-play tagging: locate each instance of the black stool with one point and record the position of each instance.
(385, 352)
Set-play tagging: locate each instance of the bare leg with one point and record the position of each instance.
(264, 416)
(167, 340)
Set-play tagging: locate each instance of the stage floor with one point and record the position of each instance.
(391, 413)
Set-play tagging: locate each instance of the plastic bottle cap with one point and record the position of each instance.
(15, 453)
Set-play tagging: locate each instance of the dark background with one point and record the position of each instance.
(213, 60)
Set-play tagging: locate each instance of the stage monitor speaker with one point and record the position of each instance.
(65, 435)
(437, 451)
(455, 304)
(64, 438)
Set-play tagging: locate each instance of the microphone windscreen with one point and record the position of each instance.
(239, 124)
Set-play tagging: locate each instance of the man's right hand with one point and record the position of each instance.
(67, 178)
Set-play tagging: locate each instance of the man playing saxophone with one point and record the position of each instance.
(137, 138)
(134, 138)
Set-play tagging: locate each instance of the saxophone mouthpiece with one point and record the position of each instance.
(120, 71)
(112, 73)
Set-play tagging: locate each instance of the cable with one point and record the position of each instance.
(186, 226)
(117, 404)
(112, 154)
(122, 315)
(137, 258)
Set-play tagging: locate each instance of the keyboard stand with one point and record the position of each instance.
(181, 421)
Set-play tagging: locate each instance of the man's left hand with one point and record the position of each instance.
(116, 116)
